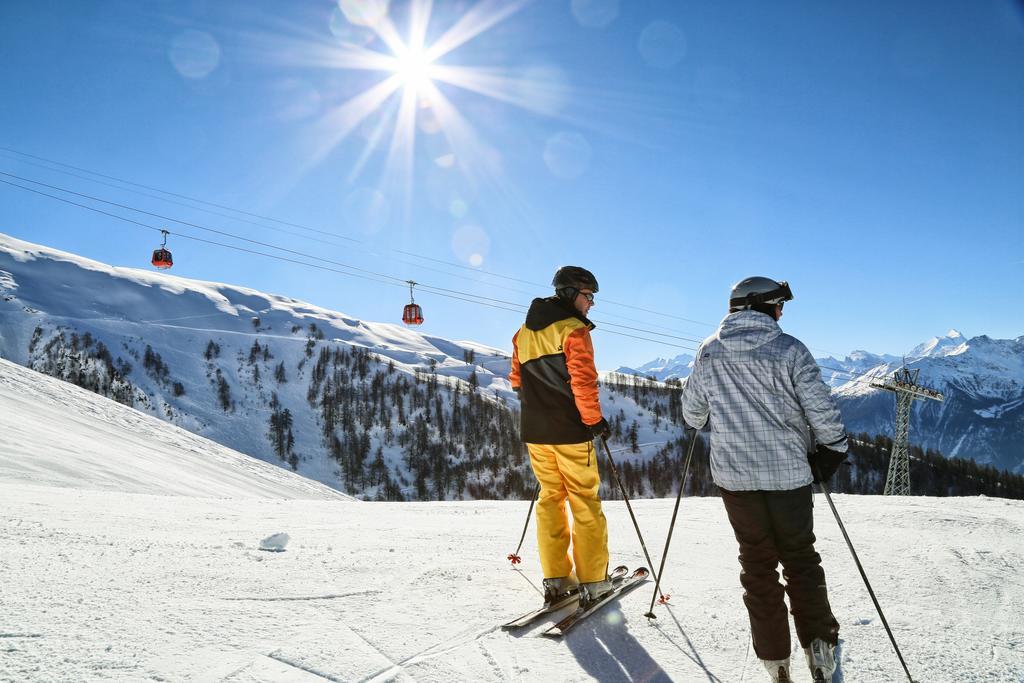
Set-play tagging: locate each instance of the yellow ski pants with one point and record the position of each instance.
(569, 472)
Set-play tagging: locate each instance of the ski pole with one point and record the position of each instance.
(657, 577)
(625, 497)
(864, 576)
(514, 557)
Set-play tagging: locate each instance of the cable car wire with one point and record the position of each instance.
(258, 242)
(367, 274)
(302, 227)
(175, 194)
(323, 232)
(312, 256)
(364, 274)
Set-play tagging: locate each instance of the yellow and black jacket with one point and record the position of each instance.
(553, 370)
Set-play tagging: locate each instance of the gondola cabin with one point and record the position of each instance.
(162, 258)
(412, 314)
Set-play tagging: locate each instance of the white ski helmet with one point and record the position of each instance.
(758, 291)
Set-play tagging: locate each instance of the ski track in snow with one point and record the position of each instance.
(131, 552)
(115, 586)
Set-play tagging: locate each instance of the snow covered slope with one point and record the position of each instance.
(131, 551)
(102, 585)
(376, 410)
(57, 435)
(371, 408)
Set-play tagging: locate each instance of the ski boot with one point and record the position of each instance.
(593, 591)
(778, 669)
(559, 588)
(821, 660)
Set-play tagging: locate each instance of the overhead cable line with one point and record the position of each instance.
(448, 293)
(179, 203)
(183, 222)
(313, 256)
(258, 225)
(363, 274)
(175, 194)
(305, 227)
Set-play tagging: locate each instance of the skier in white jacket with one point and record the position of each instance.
(762, 393)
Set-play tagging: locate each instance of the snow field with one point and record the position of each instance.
(138, 587)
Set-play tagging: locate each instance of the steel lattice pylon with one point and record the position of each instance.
(904, 385)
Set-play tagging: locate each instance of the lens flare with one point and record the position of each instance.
(194, 54)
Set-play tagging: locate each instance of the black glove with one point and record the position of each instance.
(824, 463)
(600, 429)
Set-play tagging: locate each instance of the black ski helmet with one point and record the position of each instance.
(758, 293)
(574, 277)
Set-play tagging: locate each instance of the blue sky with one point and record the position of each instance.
(870, 153)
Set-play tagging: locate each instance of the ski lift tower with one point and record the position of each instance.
(904, 384)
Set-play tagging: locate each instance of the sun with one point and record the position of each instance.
(410, 98)
(414, 68)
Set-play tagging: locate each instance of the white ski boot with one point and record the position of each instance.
(821, 660)
(557, 588)
(778, 669)
(593, 591)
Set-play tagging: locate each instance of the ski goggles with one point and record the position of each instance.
(780, 295)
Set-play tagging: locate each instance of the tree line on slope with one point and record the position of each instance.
(931, 473)
(396, 436)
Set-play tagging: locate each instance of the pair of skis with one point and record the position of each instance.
(622, 582)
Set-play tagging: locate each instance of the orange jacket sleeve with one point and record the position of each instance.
(513, 376)
(579, 358)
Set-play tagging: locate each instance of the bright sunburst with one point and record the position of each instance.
(411, 71)
(414, 68)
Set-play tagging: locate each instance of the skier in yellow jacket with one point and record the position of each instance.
(554, 373)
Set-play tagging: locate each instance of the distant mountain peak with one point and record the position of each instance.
(662, 368)
(946, 345)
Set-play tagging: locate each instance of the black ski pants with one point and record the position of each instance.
(775, 527)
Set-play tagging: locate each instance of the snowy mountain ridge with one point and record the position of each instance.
(377, 410)
(948, 344)
(982, 414)
(662, 369)
(365, 407)
(981, 418)
(384, 411)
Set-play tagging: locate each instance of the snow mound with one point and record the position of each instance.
(275, 543)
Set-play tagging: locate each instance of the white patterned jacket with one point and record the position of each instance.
(767, 405)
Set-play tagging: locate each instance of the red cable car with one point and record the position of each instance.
(162, 255)
(412, 314)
